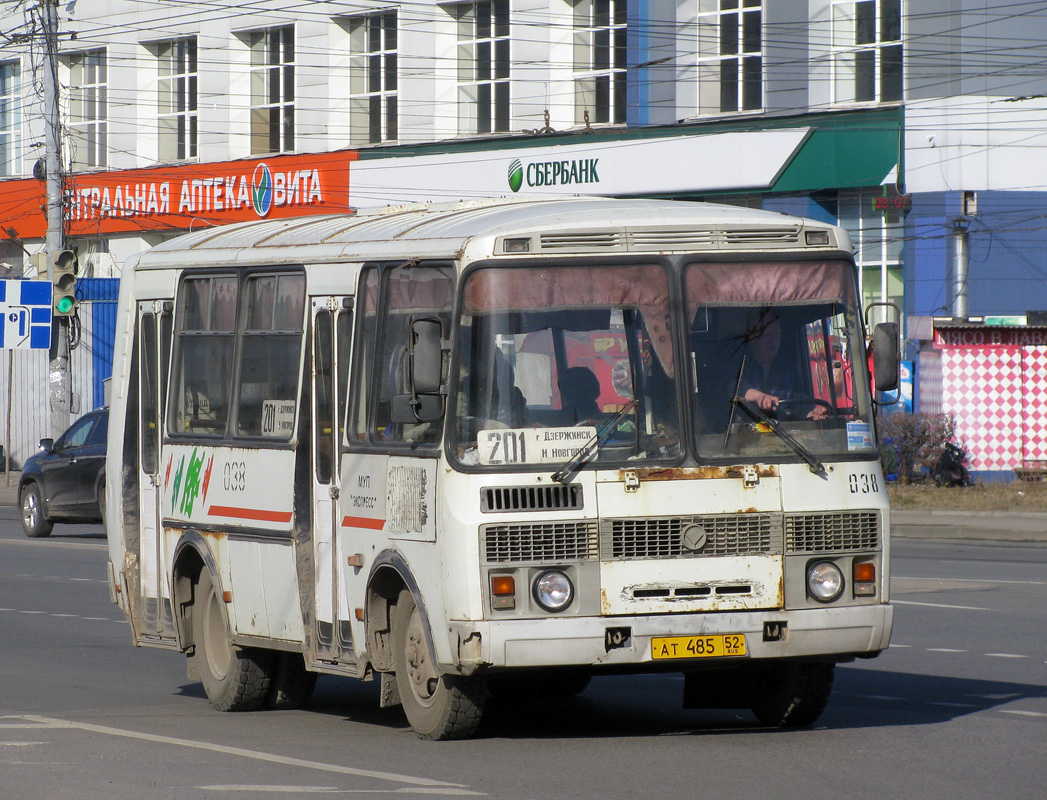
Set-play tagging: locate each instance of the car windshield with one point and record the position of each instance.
(778, 341)
(556, 359)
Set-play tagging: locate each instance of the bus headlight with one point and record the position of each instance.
(824, 581)
(553, 590)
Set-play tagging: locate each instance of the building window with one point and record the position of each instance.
(10, 107)
(867, 50)
(879, 245)
(730, 56)
(87, 108)
(272, 90)
(372, 79)
(483, 66)
(177, 99)
(599, 61)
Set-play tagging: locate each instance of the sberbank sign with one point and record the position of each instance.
(553, 173)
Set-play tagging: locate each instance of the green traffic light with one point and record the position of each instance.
(64, 305)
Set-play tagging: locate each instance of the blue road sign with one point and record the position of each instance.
(26, 308)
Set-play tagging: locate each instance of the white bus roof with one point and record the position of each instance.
(471, 230)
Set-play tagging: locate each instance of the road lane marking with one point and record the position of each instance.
(297, 790)
(1021, 713)
(968, 580)
(273, 758)
(1005, 655)
(937, 605)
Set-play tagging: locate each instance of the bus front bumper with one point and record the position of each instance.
(830, 633)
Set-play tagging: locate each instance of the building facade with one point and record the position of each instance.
(918, 126)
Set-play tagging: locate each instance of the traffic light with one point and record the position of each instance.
(63, 275)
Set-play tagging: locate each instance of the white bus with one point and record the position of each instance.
(502, 447)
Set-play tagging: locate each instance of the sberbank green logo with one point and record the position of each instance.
(553, 173)
(516, 175)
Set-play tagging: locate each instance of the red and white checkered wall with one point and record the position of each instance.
(998, 397)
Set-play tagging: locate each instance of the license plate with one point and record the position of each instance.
(714, 646)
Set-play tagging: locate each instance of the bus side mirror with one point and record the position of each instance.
(426, 356)
(425, 403)
(885, 356)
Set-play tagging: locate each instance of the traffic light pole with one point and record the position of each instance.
(58, 374)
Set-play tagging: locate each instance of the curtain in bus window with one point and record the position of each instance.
(271, 355)
(578, 288)
(199, 401)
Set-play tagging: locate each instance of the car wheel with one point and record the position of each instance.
(101, 501)
(34, 520)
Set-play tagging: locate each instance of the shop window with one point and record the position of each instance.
(177, 99)
(483, 66)
(867, 51)
(879, 246)
(272, 90)
(730, 55)
(88, 99)
(373, 98)
(10, 118)
(599, 61)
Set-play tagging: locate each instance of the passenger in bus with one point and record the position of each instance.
(768, 377)
(579, 389)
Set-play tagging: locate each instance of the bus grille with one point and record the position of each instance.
(540, 541)
(832, 531)
(725, 535)
(531, 498)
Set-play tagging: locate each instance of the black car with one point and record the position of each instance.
(65, 481)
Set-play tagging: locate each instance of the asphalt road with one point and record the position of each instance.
(957, 708)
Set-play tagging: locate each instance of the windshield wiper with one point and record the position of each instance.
(592, 446)
(756, 413)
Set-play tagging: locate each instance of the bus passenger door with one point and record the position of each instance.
(332, 319)
(154, 348)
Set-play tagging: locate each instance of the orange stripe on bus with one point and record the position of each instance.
(250, 513)
(363, 522)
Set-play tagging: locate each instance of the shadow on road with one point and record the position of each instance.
(651, 705)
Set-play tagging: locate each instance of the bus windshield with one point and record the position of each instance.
(554, 357)
(776, 350)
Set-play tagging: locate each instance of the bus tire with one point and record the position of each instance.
(791, 694)
(291, 685)
(234, 678)
(437, 706)
(31, 504)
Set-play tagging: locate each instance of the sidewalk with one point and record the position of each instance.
(993, 526)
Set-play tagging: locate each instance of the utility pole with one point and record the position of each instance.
(58, 373)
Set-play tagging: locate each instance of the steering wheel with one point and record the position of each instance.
(795, 408)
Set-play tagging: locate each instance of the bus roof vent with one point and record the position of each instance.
(766, 236)
(672, 240)
(496, 499)
(606, 240)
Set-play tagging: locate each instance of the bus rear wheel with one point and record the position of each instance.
(791, 694)
(235, 679)
(438, 706)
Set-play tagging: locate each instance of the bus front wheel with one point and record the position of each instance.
(791, 694)
(438, 706)
(235, 679)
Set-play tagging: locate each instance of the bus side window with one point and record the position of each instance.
(271, 355)
(410, 292)
(203, 365)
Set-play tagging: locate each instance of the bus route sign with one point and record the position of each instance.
(26, 309)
